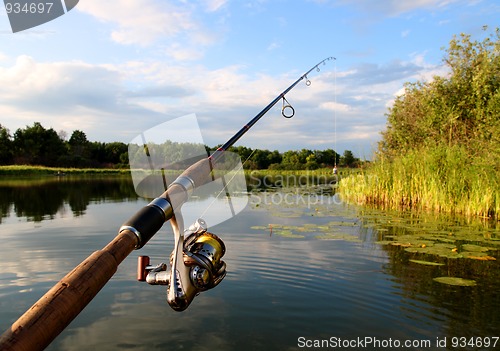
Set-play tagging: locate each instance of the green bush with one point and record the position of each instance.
(441, 148)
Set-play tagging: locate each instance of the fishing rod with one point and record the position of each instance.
(196, 264)
(286, 107)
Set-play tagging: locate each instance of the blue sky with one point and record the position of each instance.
(118, 67)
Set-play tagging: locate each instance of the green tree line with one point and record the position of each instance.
(36, 145)
(441, 148)
(293, 159)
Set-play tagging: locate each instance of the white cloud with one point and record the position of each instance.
(49, 86)
(273, 46)
(214, 5)
(398, 7)
(115, 102)
(335, 106)
(139, 21)
(427, 71)
(183, 53)
(176, 30)
(61, 95)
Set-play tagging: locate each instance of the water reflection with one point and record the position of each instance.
(337, 277)
(468, 311)
(40, 199)
(463, 311)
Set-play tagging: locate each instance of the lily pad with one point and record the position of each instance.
(480, 256)
(427, 263)
(338, 236)
(288, 234)
(475, 248)
(305, 229)
(455, 281)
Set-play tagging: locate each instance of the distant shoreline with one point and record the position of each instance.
(25, 170)
(28, 170)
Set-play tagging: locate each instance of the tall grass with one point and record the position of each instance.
(443, 179)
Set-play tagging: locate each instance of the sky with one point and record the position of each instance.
(116, 68)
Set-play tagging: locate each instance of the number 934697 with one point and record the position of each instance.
(33, 7)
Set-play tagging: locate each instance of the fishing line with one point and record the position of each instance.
(335, 110)
(225, 184)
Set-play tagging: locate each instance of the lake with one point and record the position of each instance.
(304, 271)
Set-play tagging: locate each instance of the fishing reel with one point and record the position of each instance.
(195, 262)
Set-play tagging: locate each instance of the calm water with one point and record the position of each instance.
(301, 267)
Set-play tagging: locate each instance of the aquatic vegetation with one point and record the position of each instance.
(431, 179)
(288, 234)
(426, 237)
(328, 232)
(455, 281)
(441, 149)
(427, 263)
(338, 236)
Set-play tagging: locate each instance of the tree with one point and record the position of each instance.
(79, 146)
(274, 158)
(261, 158)
(98, 152)
(460, 109)
(291, 160)
(5, 146)
(303, 155)
(348, 159)
(243, 151)
(37, 145)
(113, 152)
(63, 135)
(327, 157)
(78, 142)
(311, 162)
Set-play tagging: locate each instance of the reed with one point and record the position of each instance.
(443, 179)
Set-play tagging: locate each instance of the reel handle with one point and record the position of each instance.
(142, 265)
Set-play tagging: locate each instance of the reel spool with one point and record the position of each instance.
(203, 254)
(199, 267)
